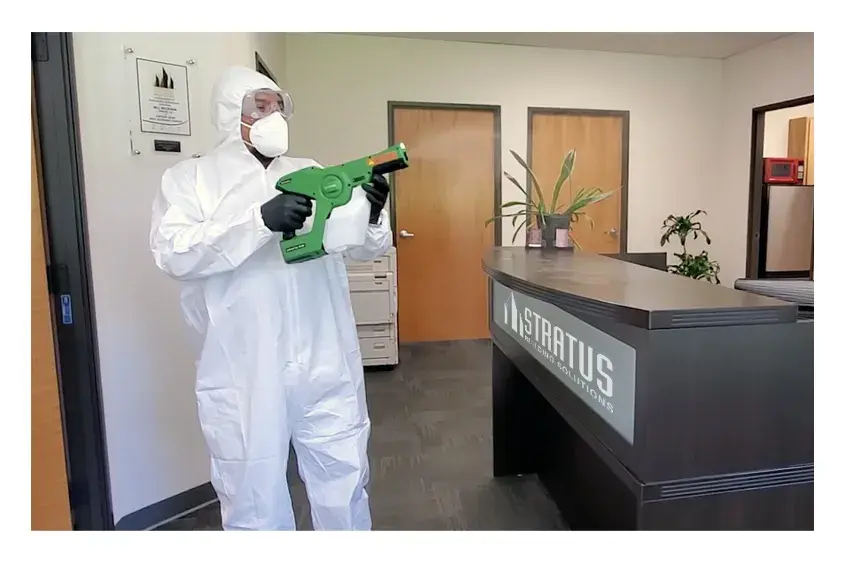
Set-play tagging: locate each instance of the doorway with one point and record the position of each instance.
(49, 494)
(440, 204)
(761, 203)
(67, 274)
(600, 141)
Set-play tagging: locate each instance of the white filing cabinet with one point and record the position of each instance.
(372, 286)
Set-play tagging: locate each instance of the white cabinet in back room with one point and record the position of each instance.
(372, 287)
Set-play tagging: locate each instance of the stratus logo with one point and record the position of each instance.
(584, 366)
(512, 317)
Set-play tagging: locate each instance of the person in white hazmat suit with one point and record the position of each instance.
(280, 360)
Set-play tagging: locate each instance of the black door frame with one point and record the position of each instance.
(497, 156)
(262, 68)
(69, 275)
(755, 245)
(626, 138)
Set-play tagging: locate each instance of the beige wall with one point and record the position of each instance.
(341, 86)
(342, 112)
(272, 48)
(775, 72)
(776, 131)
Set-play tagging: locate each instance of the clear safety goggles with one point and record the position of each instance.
(265, 101)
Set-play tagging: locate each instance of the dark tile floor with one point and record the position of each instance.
(431, 452)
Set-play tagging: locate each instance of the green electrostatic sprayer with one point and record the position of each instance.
(329, 188)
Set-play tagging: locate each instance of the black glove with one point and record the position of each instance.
(377, 193)
(286, 213)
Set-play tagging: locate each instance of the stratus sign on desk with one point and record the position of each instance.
(599, 369)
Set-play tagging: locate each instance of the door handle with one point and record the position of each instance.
(405, 234)
(613, 232)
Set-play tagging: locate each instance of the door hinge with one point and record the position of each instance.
(40, 53)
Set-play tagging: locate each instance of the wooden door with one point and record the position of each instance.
(50, 504)
(600, 147)
(442, 201)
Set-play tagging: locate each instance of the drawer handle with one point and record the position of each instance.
(379, 283)
(379, 346)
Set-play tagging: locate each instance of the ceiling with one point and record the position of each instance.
(699, 45)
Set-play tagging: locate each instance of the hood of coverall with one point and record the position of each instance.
(227, 100)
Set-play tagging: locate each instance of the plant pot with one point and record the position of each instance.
(556, 232)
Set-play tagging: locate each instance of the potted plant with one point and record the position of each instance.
(698, 266)
(547, 223)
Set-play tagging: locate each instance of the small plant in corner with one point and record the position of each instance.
(695, 266)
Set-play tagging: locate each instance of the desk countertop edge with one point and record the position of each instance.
(649, 320)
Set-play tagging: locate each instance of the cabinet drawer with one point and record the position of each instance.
(382, 347)
(369, 282)
(376, 331)
(380, 265)
(371, 307)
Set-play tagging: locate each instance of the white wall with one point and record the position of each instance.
(272, 48)
(775, 72)
(776, 130)
(155, 448)
(341, 106)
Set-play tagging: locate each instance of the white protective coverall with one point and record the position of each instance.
(280, 359)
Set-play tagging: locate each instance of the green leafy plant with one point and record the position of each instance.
(534, 210)
(696, 266)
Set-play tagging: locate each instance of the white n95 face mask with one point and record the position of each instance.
(269, 135)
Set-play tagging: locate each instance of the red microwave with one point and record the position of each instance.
(783, 171)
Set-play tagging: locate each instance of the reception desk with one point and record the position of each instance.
(649, 401)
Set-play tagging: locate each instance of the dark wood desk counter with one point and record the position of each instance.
(627, 292)
(645, 400)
